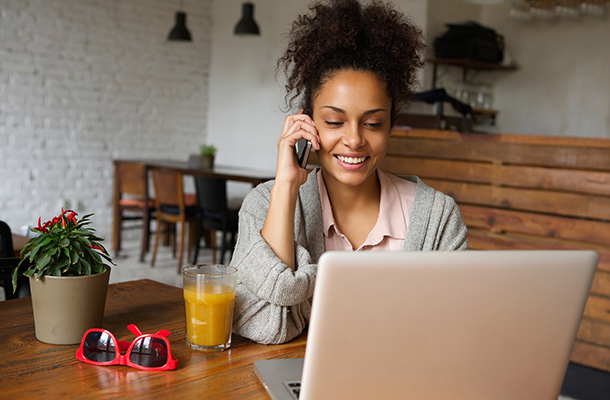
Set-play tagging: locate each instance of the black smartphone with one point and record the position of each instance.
(303, 149)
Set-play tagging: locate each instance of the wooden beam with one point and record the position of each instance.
(520, 138)
(591, 355)
(598, 308)
(503, 153)
(484, 240)
(509, 221)
(594, 332)
(560, 180)
(542, 201)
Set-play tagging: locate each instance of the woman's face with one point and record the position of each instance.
(352, 115)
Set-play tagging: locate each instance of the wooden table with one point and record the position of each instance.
(18, 243)
(249, 175)
(29, 368)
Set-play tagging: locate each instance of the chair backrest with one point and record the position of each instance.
(8, 264)
(6, 241)
(211, 193)
(168, 187)
(6, 269)
(131, 178)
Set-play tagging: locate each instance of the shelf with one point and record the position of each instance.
(485, 111)
(467, 64)
(480, 115)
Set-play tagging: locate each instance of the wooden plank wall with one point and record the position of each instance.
(524, 192)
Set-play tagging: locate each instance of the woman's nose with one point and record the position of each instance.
(353, 137)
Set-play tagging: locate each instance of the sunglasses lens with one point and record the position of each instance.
(99, 346)
(149, 352)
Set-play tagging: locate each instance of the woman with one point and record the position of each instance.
(350, 66)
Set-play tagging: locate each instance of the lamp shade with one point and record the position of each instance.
(247, 25)
(179, 31)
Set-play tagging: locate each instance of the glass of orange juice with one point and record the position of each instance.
(209, 296)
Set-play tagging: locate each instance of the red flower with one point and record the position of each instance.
(64, 217)
(72, 216)
(41, 228)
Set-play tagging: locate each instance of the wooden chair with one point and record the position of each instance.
(172, 208)
(215, 215)
(131, 202)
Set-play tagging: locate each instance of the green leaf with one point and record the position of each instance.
(94, 254)
(86, 267)
(107, 258)
(14, 278)
(62, 264)
(74, 256)
(65, 242)
(34, 245)
(44, 260)
(29, 272)
(84, 232)
(55, 271)
(97, 268)
(33, 252)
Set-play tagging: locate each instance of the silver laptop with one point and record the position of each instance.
(438, 325)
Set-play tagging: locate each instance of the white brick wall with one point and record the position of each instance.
(85, 81)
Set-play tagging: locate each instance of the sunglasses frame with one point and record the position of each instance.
(123, 345)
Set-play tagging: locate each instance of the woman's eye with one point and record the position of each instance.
(333, 123)
(374, 124)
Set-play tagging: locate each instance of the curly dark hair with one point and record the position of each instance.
(346, 35)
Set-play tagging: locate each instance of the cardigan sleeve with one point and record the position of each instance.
(435, 223)
(273, 302)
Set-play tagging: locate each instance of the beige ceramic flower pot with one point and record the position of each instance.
(66, 306)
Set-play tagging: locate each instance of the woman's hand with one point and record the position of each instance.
(296, 126)
(278, 230)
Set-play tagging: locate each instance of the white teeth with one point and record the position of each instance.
(351, 160)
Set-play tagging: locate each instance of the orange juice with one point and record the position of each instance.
(209, 314)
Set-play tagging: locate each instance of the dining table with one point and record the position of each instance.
(253, 176)
(19, 242)
(33, 369)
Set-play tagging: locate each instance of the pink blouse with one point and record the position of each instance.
(389, 232)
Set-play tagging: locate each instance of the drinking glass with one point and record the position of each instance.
(209, 297)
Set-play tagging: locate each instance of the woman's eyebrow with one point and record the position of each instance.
(368, 112)
(376, 110)
(336, 109)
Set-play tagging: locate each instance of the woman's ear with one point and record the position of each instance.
(307, 109)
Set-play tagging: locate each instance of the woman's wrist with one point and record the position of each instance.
(278, 230)
(285, 190)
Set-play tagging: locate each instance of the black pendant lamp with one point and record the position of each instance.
(247, 25)
(179, 31)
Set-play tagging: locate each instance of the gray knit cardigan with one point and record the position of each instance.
(273, 303)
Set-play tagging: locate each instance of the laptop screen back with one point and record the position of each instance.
(444, 325)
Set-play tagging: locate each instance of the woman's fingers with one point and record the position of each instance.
(300, 126)
(297, 126)
(301, 129)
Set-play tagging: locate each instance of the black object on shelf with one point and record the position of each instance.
(436, 95)
(472, 41)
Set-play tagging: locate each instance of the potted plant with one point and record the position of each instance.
(68, 274)
(208, 152)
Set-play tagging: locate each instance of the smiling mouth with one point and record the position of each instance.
(351, 160)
